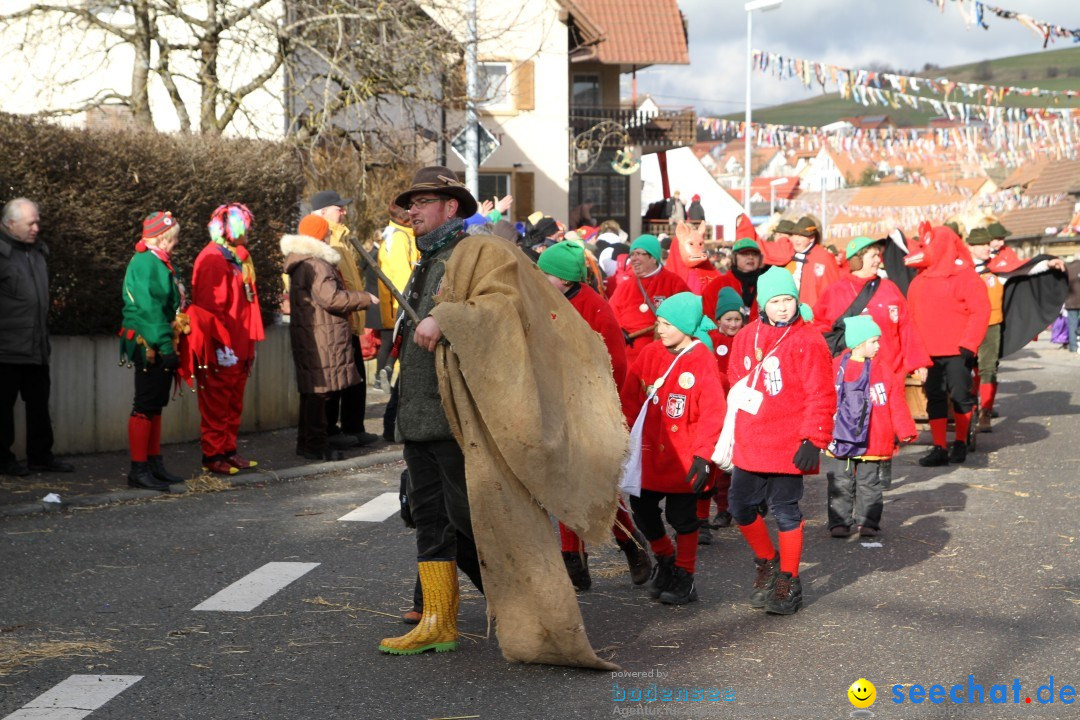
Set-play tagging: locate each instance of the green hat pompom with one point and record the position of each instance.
(648, 243)
(684, 311)
(859, 329)
(564, 260)
(774, 282)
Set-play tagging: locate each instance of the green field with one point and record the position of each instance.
(1048, 70)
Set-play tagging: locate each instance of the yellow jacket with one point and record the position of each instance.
(398, 255)
(350, 271)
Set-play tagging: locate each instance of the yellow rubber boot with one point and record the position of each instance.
(437, 629)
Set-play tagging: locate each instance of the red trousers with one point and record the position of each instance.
(221, 401)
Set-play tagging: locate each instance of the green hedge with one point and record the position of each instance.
(95, 186)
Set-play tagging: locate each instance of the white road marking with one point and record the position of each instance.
(75, 698)
(253, 589)
(375, 510)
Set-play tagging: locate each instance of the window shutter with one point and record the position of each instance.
(524, 91)
(524, 194)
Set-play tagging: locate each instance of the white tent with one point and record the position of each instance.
(687, 175)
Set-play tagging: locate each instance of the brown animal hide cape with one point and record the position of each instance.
(528, 390)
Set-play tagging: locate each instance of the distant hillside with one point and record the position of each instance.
(1049, 70)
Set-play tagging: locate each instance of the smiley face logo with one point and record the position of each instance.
(862, 693)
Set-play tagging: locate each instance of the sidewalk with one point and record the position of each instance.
(101, 478)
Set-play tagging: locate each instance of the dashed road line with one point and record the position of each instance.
(253, 589)
(75, 697)
(375, 510)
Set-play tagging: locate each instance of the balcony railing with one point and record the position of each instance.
(664, 129)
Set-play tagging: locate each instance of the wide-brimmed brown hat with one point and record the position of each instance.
(442, 181)
(806, 227)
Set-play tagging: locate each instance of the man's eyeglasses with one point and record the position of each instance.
(421, 202)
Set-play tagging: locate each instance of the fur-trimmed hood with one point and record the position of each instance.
(297, 248)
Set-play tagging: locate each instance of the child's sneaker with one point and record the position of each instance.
(937, 457)
(786, 596)
(764, 581)
(681, 589)
(958, 452)
(704, 536)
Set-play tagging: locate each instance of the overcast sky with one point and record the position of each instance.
(905, 34)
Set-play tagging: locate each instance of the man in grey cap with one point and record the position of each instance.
(350, 404)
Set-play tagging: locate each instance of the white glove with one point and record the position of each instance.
(226, 357)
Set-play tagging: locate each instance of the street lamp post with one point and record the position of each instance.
(772, 193)
(750, 7)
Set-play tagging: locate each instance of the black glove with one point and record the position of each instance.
(169, 362)
(626, 338)
(406, 511)
(968, 357)
(806, 457)
(699, 474)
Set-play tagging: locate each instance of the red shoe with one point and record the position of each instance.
(239, 462)
(219, 467)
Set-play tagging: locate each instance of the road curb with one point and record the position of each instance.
(241, 480)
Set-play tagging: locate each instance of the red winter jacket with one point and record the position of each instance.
(798, 396)
(820, 269)
(722, 350)
(217, 286)
(948, 301)
(627, 303)
(683, 420)
(901, 348)
(598, 314)
(889, 415)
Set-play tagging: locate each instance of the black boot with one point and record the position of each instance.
(722, 520)
(786, 596)
(327, 455)
(681, 589)
(937, 457)
(140, 476)
(764, 581)
(577, 567)
(704, 536)
(662, 573)
(958, 452)
(157, 467)
(637, 559)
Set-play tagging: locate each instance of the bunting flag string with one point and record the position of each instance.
(975, 14)
(1042, 135)
(851, 83)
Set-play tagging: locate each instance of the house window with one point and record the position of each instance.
(493, 85)
(609, 193)
(585, 91)
(493, 185)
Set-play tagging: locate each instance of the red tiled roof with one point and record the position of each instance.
(784, 191)
(1058, 176)
(1033, 221)
(633, 32)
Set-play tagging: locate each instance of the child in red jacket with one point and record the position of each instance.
(871, 414)
(730, 318)
(675, 383)
(564, 265)
(784, 420)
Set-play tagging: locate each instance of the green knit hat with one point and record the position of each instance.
(997, 231)
(859, 329)
(683, 310)
(745, 244)
(858, 244)
(774, 282)
(979, 236)
(648, 243)
(727, 301)
(564, 260)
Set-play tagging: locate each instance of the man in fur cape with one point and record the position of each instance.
(526, 393)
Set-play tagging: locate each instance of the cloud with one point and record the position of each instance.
(905, 34)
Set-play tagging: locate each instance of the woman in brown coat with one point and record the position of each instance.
(319, 330)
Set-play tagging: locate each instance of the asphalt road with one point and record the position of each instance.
(976, 575)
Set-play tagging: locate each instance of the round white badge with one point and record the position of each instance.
(771, 363)
(643, 307)
(722, 350)
(687, 380)
(746, 362)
